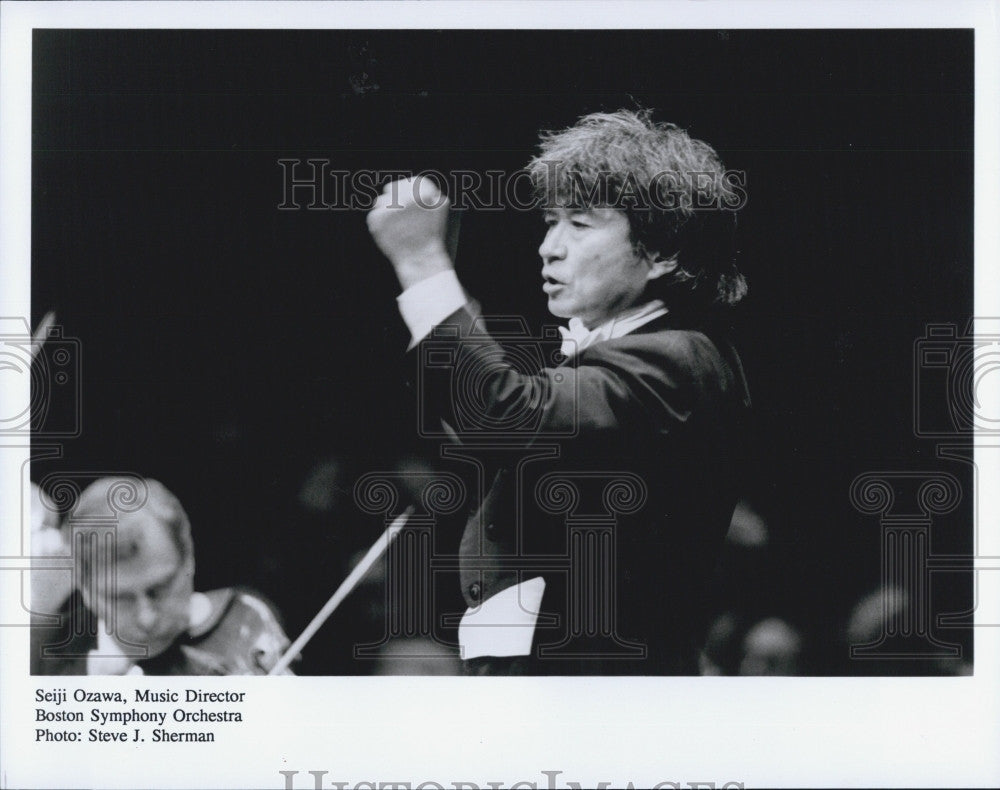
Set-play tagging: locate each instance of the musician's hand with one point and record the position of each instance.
(409, 223)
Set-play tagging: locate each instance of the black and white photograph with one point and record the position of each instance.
(527, 393)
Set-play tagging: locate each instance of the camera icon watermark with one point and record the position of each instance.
(483, 390)
(956, 387)
(50, 363)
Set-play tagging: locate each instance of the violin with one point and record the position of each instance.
(236, 633)
(239, 636)
(242, 636)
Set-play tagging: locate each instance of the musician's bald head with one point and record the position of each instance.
(145, 594)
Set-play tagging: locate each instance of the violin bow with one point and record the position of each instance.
(378, 548)
(42, 332)
(382, 544)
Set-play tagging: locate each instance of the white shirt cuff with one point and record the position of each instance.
(427, 303)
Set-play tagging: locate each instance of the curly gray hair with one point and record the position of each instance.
(679, 199)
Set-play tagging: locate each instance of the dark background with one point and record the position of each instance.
(229, 347)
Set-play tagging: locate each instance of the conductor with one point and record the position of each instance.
(638, 254)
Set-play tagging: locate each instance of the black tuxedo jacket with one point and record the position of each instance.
(614, 476)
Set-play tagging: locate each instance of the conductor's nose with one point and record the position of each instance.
(552, 247)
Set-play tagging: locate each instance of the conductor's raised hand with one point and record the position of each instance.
(408, 223)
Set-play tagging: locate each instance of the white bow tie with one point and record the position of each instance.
(577, 337)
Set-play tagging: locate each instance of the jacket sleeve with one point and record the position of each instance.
(463, 376)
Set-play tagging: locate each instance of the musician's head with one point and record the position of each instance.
(145, 595)
(635, 210)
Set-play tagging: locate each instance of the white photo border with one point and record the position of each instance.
(773, 732)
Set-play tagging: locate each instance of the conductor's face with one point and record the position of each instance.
(590, 266)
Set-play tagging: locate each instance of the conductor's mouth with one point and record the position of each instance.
(550, 286)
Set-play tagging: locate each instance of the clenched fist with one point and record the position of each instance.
(409, 223)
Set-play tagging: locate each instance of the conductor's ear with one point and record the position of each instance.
(660, 265)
